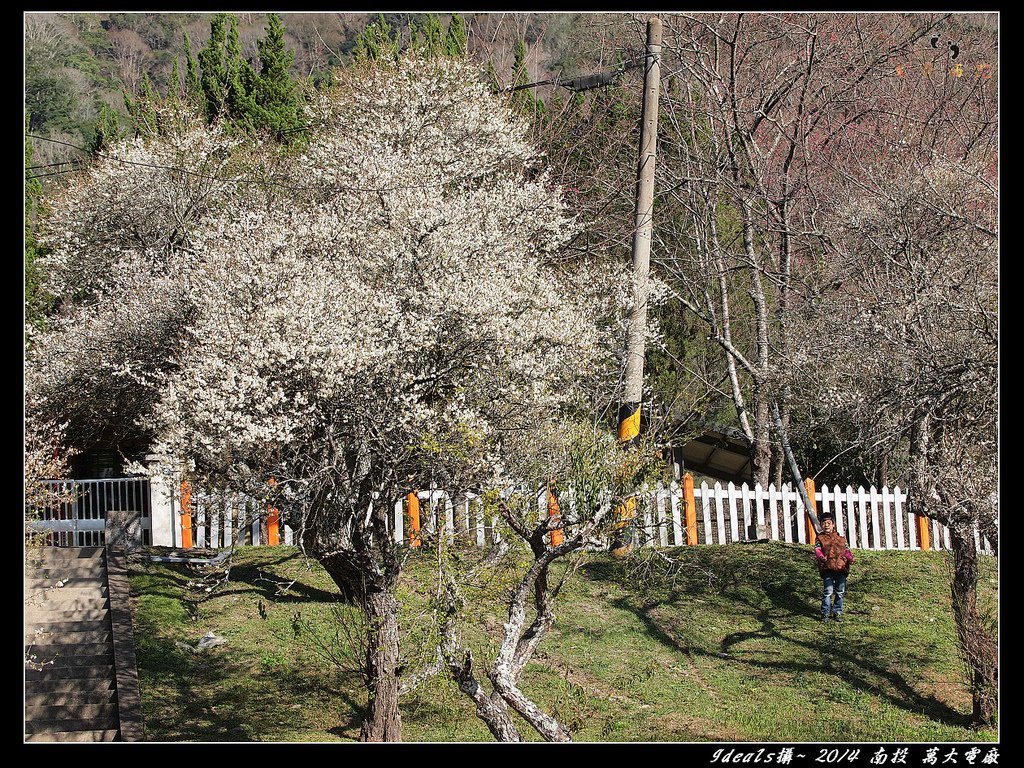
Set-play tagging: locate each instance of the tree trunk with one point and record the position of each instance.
(978, 648)
(761, 450)
(883, 471)
(778, 460)
(383, 720)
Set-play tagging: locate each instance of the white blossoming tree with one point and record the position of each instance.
(376, 312)
(114, 247)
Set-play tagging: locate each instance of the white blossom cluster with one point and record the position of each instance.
(142, 200)
(115, 239)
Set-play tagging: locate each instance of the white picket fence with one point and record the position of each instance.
(869, 518)
(224, 519)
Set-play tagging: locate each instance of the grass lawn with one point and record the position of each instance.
(725, 649)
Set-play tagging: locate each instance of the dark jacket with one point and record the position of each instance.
(832, 553)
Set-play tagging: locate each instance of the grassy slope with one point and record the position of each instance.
(725, 650)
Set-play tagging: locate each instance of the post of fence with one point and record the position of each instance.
(186, 515)
(812, 496)
(690, 503)
(554, 513)
(273, 521)
(413, 501)
(161, 506)
(923, 535)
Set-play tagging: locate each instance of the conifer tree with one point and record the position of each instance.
(490, 77)
(455, 39)
(142, 108)
(376, 42)
(241, 82)
(108, 130)
(428, 38)
(193, 84)
(213, 80)
(278, 101)
(524, 100)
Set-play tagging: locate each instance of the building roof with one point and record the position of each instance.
(720, 452)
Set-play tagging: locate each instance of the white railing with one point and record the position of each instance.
(230, 519)
(77, 513)
(869, 518)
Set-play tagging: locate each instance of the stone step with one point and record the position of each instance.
(69, 698)
(48, 602)
(56, 600)
(72, 650)
(65, 582)
(73, 659)
(66, 627)
(62, 713)
(47, 658)
(47, 637)
(64, 554)
(70, 686)
(107, 735)
(40, 618)
(54, 672)
(63, 725)
(82, 568)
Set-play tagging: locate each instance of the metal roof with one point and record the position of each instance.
(719, 452)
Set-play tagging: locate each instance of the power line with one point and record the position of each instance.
(51, 165)
(585, 82)
(51, 173)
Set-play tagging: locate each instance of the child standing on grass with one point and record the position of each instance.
(834, 558)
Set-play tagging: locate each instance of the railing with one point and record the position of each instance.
(77, 514)
(225, 519)
(869, 518)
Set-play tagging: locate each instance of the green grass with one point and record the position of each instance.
(726, 649)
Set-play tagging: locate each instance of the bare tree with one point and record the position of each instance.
(909, 294)
(592, 482)
(914, 309)
(132, 55)
(742, 156)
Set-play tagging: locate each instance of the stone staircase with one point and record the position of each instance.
(71, 689)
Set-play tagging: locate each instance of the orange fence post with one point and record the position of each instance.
(186, 514)
(273, 521)
(554, 512)
(924, 537)
(413, 502)
(273, 527)
(691, 509)
(812, 496)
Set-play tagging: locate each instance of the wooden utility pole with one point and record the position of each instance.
(633, 379)
(629, 410)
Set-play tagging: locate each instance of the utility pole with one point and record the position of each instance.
(633, 379)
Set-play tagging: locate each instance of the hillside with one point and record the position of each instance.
(726, 648)
(77, 62)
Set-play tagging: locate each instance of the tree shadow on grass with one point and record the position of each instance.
(223, 695)
(174, 580)
(787, 588)
(257, 580)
